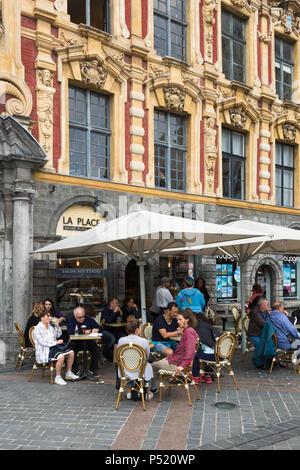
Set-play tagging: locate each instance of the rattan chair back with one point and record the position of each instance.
(224, 346)
(21, 334)
(133, 358)
(210, 313)
(147, 331)
(31, 337)
(245, 324)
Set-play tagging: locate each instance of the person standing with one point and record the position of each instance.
(258, 316)
(190, 297)
(201, 285)
(161, 298)
(257, 293)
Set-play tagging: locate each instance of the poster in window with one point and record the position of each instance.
(224, 292)
(229, 280)
(219, 283)
(229, 291)
(224, 269)
(229, 269)
(218, 269)
(224, 281)
(286, 275)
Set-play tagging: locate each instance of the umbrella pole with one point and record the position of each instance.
(141, 265)
(242, 281)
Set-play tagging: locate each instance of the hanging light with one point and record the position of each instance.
(77, 263)
(60, 261)
(169, 262)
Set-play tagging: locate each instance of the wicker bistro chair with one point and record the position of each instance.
(224, 348)
(289, 357)
(147, 331)
(49, 365)
(237, 320)
(24, 352)
(132, 358)
(249, 344)
(211, 315)
(168, 379)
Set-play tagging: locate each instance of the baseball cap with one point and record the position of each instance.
(165, 279)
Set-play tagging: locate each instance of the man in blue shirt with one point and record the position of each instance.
(283, 327)
(110, 314)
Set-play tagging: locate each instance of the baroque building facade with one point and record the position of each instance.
(184, 106)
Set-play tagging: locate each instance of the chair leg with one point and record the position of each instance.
(51, 372)
(120, 393)
(161, 384)
(218, 379)
(17, 361)
(233, 376)
(141, 385)
(32, 371)
(21, 361)
(186, 386)
(201, 372)
(195, 388)
(271, 368)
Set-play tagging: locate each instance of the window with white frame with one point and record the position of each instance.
(284, 68)
(284, 175)
(89, 133)
(233, 46)
(170, 28)
(233, 163)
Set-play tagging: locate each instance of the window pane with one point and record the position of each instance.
(278, 154)
(225, 164)
(160, 35)
(288, 155)
(226, 146)
(99, 155)
(160, 5)
(237, 27)
(237, 144)
(238, 53)
(238, 73)
(77, 105)
(226, 57)
(160, 166)
(288, 179)
(238, 179)
(78, 150)
(160, 126)
(225, 21)
(177, 41)
(177, 9)
(277, 47)
(99, 111)
(287, 51)
(278, 197)
(288, 198)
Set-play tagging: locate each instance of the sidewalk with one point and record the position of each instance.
(38, 415)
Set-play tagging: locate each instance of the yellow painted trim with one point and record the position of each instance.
(152, 192)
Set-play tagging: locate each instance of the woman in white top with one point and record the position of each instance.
(133, 329)
(46, 347)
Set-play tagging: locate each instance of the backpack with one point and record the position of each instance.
(295, 316)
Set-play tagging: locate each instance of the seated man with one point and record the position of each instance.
(183, 355)
(92, 326)
(258, 316)
(283, 327)
(165, 326)
(110, 314)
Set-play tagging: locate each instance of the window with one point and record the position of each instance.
(233, 158)
(89, 133)
(170, 28)
(227, 275)
(291, 278)
(233, 46)
(90, 12)
(284, 68)
(169, 150)
(284, 175)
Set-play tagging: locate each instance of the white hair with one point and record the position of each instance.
(75, 310)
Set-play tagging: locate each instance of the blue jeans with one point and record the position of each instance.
(254, 339)
(109, 340)
(201, 355)
(159, 347)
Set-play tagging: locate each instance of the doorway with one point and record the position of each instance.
(132, 281)
(265, 278)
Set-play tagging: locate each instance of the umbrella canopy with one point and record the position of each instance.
(277, 239)
(142, 234)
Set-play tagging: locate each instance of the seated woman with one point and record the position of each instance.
(133, 330)
(49, 306)
(208, 336)
(48, 347)
(183, 355)
(130, 310)
(33, 320)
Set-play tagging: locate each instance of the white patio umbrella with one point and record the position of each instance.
(140, 235)
(276, 239)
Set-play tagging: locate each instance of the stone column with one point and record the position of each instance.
(22, 246)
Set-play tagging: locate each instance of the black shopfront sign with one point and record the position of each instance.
(69, 273)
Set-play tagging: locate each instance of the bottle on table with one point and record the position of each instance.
(76, 330)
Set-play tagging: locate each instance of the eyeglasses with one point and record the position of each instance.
(83, 316)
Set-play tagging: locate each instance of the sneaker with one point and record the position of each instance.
(196, 380)
(71, 376)
(94, 374)
(153, 389)
(59, 380)
(206, 379)
(128, 395)
(151, 395)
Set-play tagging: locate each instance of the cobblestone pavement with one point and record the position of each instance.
(38, 415)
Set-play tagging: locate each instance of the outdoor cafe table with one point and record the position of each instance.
(115, 325)
(223, 317)
(85, 373)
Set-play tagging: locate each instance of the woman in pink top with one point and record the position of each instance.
(183, 355)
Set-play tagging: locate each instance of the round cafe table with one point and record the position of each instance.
(85, 373)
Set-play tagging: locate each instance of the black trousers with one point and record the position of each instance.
(93, 350)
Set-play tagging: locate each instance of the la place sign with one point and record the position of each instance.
(77, 219)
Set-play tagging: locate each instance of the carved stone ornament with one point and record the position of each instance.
(241, 4)
(210, 170)
(289, 132)
(266, 38)
(45, 115)
(238, 116)
(174, 98)
(93, 73)
(210, 6)
(59, 5)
